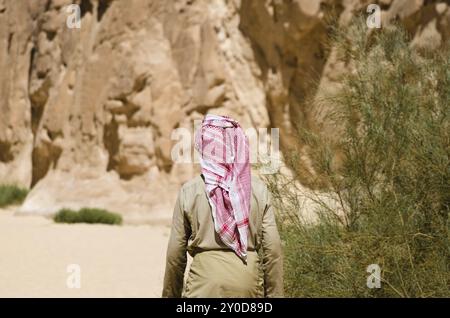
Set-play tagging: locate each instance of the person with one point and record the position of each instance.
(225, 220)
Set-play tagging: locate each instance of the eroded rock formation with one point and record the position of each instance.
(87, 113)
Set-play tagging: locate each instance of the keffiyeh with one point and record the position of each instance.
(225, 166)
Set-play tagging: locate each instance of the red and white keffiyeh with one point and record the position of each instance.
(225, 165)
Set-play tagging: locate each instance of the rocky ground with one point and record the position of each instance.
(115, 261)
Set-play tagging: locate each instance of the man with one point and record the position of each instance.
(225, 220)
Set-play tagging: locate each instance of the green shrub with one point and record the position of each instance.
(11, 194)
(390, 188)
(87, 215)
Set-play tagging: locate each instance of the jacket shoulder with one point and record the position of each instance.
(193, 183)
(192, 187)
(196, 185)
(258, 185)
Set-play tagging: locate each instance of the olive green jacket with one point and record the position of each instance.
(193, 232)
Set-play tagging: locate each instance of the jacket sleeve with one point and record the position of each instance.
(272, 253)
(176, 251)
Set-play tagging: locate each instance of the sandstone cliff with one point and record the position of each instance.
(86, 114)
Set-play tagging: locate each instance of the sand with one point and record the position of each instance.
(114, 261)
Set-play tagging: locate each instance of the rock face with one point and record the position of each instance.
(87, 114)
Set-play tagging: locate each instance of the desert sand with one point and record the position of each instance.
(115, 261)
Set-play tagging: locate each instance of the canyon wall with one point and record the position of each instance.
(87, 114)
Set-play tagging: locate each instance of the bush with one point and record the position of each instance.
(11, 194)
(390, 189)
(86, 215)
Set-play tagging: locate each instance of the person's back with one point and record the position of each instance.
(216, 271)
(225, 220)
